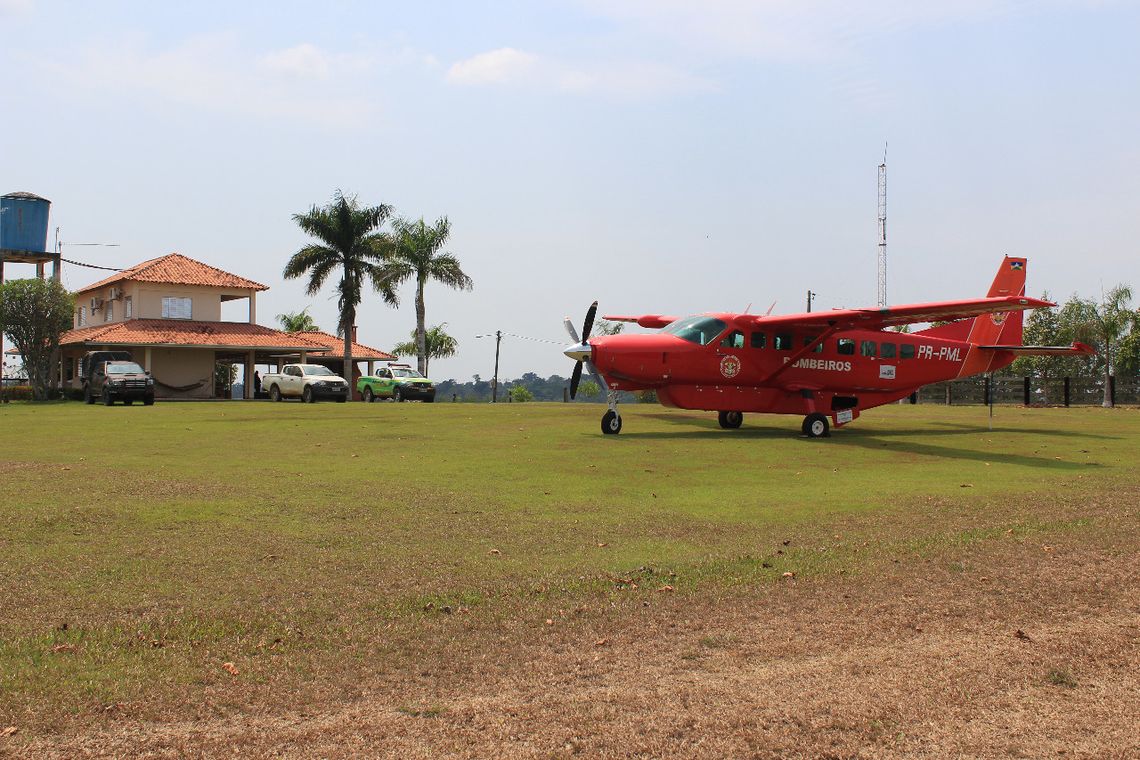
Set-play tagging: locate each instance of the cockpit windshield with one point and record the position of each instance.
(699, 330)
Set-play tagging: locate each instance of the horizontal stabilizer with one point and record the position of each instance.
(1081, 349)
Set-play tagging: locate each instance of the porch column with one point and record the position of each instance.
(146, 359)
(253, 308)
(250, 357)
(371, 367)
(304, 356)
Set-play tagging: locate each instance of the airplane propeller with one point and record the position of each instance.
(581, 351)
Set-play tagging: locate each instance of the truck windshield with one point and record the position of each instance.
(124, 368)
(699, 330)
(316, 369)
(406, 373)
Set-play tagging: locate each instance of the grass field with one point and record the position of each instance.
(190, 578)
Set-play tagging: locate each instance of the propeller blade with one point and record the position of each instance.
(597, 378)
(588, 325)
(575, 379)
(570, 329)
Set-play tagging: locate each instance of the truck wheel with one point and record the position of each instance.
(274, 393)
(87, 397)
(307, 395)
(148, 401)
(128, 401)
(398, 394)
(369, 397)
(107, 400)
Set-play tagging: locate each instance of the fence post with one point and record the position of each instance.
(565, 395)
(949, 393)
(1066, 392)
(1027, 391)
(914, 397)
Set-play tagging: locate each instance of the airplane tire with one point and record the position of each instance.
(611, 423)
(816, 426)
(730, 420)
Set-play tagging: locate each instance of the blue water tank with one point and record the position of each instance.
(24, 222)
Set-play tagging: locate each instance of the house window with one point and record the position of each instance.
(82, 321)
(109, 311)
(128, 308)
(69, 368)
(176, 307)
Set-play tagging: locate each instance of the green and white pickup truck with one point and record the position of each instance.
(398, 382)
(307, 382)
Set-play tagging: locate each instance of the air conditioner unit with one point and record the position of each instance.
(96, 304)
(116, 294)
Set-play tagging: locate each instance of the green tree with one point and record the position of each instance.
(1109, 323)
(349, 241)
(35, 314)
(520, 393)
(1042, 328)
(417, 253)
(300, 321)
(437, 343)
(589, 389)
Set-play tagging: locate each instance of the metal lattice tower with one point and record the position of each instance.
(883, 230)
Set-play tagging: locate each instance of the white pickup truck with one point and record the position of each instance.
(307, 382)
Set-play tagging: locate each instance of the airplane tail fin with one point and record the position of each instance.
(990, 329)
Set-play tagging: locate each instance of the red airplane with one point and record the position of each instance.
(828, 366)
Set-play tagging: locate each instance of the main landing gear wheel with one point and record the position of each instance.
(816, 426)
(730, 420)
(611, 423)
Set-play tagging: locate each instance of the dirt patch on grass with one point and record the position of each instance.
(1014, 648)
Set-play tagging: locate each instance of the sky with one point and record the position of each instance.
(658, 156)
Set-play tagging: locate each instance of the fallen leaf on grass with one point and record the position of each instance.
(9, 731)
(966, 485)
(495, 552)
(600, 642)
(789, 574)
(230, 668)
(1022, 635)
(549, 621)
(60, 648)
(666, 587)
(602, 545)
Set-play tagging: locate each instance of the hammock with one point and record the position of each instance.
(180, 388)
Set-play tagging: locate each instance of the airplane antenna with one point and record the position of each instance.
(748, 308)
(769, 312)
(882, 290)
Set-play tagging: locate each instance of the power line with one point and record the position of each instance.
(91, 266)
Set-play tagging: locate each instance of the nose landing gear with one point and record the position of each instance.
(611, 420)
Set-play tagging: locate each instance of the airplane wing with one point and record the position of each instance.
(890, 316)
(644, 320)
(1078, 348)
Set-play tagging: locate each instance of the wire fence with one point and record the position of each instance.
(1031, 391)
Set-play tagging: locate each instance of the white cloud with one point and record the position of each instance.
(13, 7)
(515, 67)
(216, 72)
(502, 66)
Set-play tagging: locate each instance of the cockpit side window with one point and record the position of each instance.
(734, 339)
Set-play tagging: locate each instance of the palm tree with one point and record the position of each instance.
(437, 345)
(1111, 319)
(349, 241)
(300, 321)
(416, 252)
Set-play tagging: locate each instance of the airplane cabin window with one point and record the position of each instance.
(759, 340)
(906, 351)
(783, 342)
(734, 339)
(887, 350)
(867, 348)
(845, 346)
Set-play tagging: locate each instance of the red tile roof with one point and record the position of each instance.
(169, 332)
(176, 269)
(360, 352)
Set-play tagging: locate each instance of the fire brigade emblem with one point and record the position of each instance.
(998, 317)
(730, 366)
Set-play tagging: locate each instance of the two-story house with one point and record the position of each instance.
(168, 313)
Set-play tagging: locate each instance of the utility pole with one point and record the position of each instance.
(882, 289)
(810, 296)
(495, 380)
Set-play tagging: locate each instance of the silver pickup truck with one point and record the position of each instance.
(307, 382)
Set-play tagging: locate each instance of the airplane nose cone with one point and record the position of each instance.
(579, 352)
